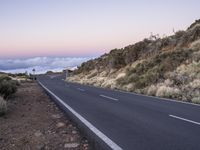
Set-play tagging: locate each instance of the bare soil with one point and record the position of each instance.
(34, 122)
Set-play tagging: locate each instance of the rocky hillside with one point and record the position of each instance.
(166, 67)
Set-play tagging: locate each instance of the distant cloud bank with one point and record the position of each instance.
(41, 64)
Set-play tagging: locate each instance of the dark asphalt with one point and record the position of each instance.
(133, 122)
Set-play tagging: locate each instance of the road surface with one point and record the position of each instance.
(128, 121)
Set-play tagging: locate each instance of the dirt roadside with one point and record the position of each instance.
(34, 122)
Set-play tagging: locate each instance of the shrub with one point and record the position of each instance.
(116, 59)
(169, 92)
(179, 34)
(6, 78)
(3, 106)
(92, 75)
(168, 82)
(153, 70)
(141, 82)
(7, 88)
(121, 80)
(152, 90)
(195, 45)
(196, 100)
(195, 84)
(194, 24)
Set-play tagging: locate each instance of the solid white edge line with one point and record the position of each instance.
(180, 118)
(96, 131)
(109, 97)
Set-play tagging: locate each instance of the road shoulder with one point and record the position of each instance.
(33, 121)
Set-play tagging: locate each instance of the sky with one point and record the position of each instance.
(84, 29)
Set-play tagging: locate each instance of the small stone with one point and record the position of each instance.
(70, 125)
(64, 132)
(72, 139)
(47, 148)
(56, 116)
(38, 134)
(74, 132)
(40, 146)
(71, 145)
(67, 139)
(60, 125)
(85, 145)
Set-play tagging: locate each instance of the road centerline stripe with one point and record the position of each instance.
(81, 89)
(96, 131)
(187, 120)
(108, 97)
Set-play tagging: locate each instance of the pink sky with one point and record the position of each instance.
(86, 28)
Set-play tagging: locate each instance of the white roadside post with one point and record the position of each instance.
(66, 73)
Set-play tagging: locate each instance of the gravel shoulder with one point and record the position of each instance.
(34, 122)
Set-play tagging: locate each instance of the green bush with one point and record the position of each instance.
(3, 106)
(7, 87)
(6, 78)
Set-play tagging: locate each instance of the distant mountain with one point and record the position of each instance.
(166, 67)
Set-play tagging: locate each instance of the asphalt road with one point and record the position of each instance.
(129, 121)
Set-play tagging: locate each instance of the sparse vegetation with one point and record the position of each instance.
(7, 86)
(3, 106)
(165, 67)
(168, 92)
(153, 70)
(196, 100)
(92, 75)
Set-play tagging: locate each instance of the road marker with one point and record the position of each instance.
(81, 89)
(194, 122)
(132, 93)
(109, 97)
(96, 131)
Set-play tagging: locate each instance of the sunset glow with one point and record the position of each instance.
(75, 28)
(89, 28)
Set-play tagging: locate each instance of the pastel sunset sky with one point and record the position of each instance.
(86, 28)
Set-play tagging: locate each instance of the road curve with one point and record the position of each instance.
(128, 121)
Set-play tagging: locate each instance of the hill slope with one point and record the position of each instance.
(166, 67)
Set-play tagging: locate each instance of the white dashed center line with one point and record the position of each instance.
(194, 122)
(81, 89)
(111, 98)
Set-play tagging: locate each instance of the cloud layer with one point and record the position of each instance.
(41, 64)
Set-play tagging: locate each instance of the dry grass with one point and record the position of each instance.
(183, 83)
(3, 106)
(169, 92)
(195, 44)
(164, 89)
(196, 100)
(106, 79)
(152, 90)
(195, 84)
